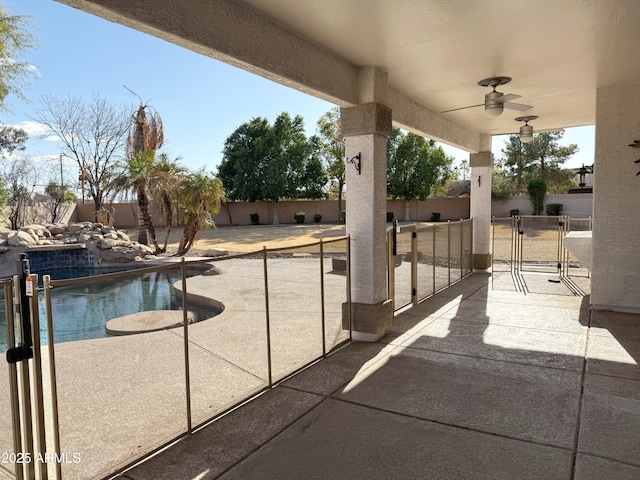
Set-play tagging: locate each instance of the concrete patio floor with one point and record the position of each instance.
(494, 378)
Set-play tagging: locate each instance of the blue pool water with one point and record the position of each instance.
(81, 311)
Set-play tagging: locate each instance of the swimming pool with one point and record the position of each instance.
(80, 312)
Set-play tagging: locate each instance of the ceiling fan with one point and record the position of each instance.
(494, 101)
(526, 131)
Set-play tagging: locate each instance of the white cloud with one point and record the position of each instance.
(37, 129)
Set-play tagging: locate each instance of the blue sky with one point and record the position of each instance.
(201, 100)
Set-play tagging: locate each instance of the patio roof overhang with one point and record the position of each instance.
(557, 53)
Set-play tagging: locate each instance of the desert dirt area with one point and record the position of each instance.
(540, 242)
(253, 238)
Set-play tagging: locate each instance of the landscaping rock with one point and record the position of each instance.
(216, 252)
(119, 254)
(21, 239)
(56, 229)
(214, 270)
(75, 228)
(106, 243)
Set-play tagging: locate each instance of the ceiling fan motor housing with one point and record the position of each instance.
(492, 104)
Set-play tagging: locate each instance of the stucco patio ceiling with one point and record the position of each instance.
(558, 52)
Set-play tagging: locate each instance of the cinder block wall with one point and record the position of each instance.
(420, 211)
(576, 205)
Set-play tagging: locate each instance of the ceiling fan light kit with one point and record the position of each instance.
(526, 131)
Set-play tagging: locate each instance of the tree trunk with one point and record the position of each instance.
(225, 204)
(168, 216)
(188, 236)
(142, 229)
(147, 225)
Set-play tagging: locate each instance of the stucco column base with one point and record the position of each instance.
(370, 321)
(481, 261)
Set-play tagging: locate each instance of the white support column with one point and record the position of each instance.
(366, 128)
(480, 207)
(616, 199)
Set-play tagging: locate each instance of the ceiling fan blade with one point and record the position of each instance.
(507, 98)
(518, 106)
(463, 108)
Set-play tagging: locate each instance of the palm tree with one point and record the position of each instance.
(135, 177)
(145, 138)
(165, 178)
(199, 195)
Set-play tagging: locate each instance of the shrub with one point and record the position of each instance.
(317, 217)
(554, 209)
(514, 212)
(537, 189)
(390, 217)
(255, 219)
(299, 216)
(435, 216)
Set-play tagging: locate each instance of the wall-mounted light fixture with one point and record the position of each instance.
(355, 160)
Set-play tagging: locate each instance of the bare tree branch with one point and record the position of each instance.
(94, 134)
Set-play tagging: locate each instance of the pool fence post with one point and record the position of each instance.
(391, 272)
(461, 250)
(13, 381)
(449, 251)
(185, 336)
(322, 312)
(414, 264)
(434, 257)
(267, 319)
(38, 394)
(46, 280)
(349, 288)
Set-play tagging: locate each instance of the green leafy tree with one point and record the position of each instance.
(11, 139)
(537, 189)
(270, 162)
(330, 147)
(416, 167)
(542, 157)
(15, 40)
(286, 167)
(502, 188)
(4, 194)
(135, 177)
(314, 177)
(199, 195)
(94, 134)
(246, 152)
(517, 162)
(165, 178)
